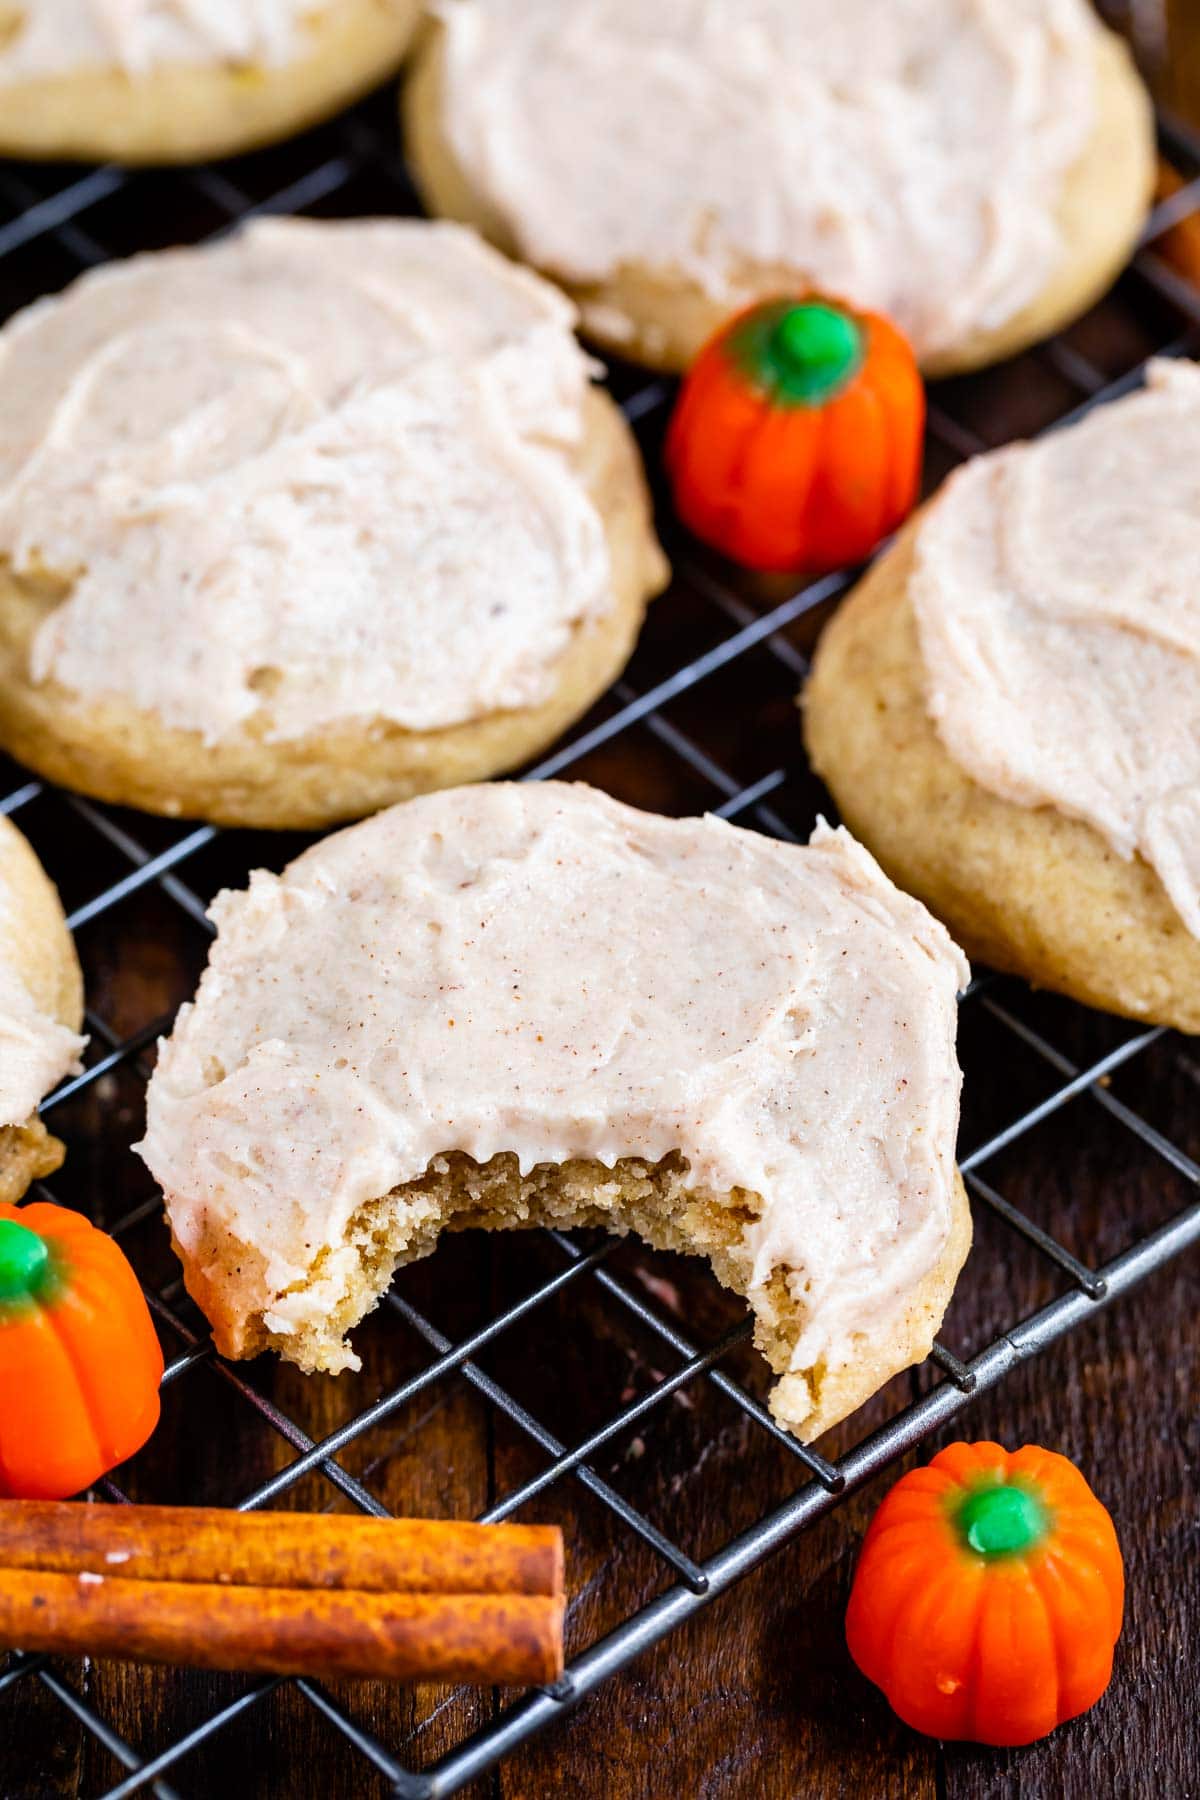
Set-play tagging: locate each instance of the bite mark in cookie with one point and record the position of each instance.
(509, 1005)
(41, 1010)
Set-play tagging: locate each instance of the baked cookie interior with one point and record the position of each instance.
(41, 1011)
(515, 1005)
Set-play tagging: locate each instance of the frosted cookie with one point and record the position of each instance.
(41, 1011)
(1007, 709)
(306, 521)
(978, 172)
(515, 1005)
(164, 81)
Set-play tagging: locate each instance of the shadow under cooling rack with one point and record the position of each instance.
(704, 718)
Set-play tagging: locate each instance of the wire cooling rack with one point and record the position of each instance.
(703, 718)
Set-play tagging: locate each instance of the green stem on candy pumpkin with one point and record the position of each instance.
(1001, 1519)
(25, 1263)
(802, 352)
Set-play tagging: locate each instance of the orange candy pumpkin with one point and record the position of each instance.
(988, 1596)
(797, 437)
(80, 1362)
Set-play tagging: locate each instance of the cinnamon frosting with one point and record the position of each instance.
(35, 1050)
(50, 37)
(909, 155)
(1057, 594)
(314, 473)
(539, 969)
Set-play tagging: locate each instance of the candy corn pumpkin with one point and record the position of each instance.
(80, 1362)
(988, 1596)
(796, 439)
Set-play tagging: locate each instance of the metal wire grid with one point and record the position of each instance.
(362, 144)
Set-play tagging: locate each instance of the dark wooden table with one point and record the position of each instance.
(757, 1697)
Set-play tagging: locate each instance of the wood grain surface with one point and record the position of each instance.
(756, 1699)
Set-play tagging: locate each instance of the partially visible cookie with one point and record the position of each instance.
(511, 1005)
(1007, 708)
(146, 83)
(307, 521)
(41, 1011)
(977, 173)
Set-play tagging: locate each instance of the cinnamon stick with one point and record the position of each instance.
(284, 1593)
(281, 1549)
(509, 1639)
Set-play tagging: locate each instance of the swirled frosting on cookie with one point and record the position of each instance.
(48, 37)
(314, 473)
(1057, 593)
(909, 154)
(538, 969)
(36, 1051)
